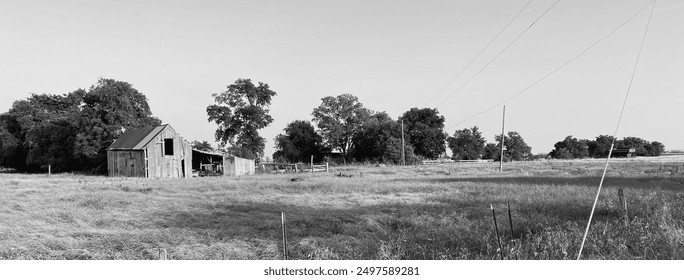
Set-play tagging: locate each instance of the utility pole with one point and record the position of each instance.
(403, 147)
(501, 159)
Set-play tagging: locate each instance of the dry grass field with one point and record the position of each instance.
(393, 212)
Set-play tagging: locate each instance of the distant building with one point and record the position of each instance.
(624, 152)
(150, 152)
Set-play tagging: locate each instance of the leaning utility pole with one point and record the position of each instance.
(501, 159)
(403, 147)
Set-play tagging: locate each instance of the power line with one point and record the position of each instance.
(555, 70)
(612, 144)
(499, 54)
(479, 54)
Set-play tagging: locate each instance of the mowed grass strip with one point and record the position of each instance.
(393, 212)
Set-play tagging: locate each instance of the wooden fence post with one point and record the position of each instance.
(623, 205)
(282, 219)
(312, 167)
(327, 169)
(496, 229)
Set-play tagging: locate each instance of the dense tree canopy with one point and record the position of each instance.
(71, 131)
(299, 142)
(600, 147)
(515, 147)
(240, 112)
(202, 146)
(380, 141)
(425, 128)
(40, 132)
(467, 144)
(109, 108)
(570, 148)
(492, 151)
(339, 119)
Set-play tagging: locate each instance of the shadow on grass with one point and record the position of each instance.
(674, 183)
(439, 227)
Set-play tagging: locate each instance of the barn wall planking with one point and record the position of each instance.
(161, 165)
(151, 161)
(126, 163)
(235, 166)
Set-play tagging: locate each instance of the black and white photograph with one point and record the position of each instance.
(337, 139)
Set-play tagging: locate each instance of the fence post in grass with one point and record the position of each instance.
(510, 218)
(496, 229)
(282, 219)
(49, 169)
(327, 168)
(163, 255)
(312, 167)
(623, 205)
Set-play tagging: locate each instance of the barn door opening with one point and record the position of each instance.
(183, 167)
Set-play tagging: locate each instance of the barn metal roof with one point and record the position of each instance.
(136, 139)
(208, 152)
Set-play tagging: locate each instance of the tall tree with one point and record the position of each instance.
(108, 109)
(515, 147)
(425, 128)
(634, 143)
(380, 140)
(339, 119)
(240, 112)
(654, 148)
(570, 148)
(71, 131)
(492, 151)
(299, 142)
(600, 147)
(467, 144)
(42, 129)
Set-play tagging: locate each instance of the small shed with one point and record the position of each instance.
(236, 166)
(624, 152)
(206, 163)
(150, 152)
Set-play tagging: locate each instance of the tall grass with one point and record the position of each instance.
(412, 212)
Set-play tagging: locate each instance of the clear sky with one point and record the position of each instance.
(393, 55)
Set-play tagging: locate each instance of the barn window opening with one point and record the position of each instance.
(168, 147)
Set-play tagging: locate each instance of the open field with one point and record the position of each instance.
(412, 212)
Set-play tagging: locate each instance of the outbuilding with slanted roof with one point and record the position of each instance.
(150, 152)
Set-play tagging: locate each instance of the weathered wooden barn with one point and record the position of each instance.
(150, 152)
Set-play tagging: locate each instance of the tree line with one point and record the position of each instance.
(71, 132)
(364, 135)
(572, 148)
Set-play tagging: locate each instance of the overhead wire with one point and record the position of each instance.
(479, 54)
(612, 144)
(610, 34)
(499, 54)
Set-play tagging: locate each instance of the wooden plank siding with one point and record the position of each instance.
(177, 165)
(151, 161)
(235, 166)
(126, 163)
